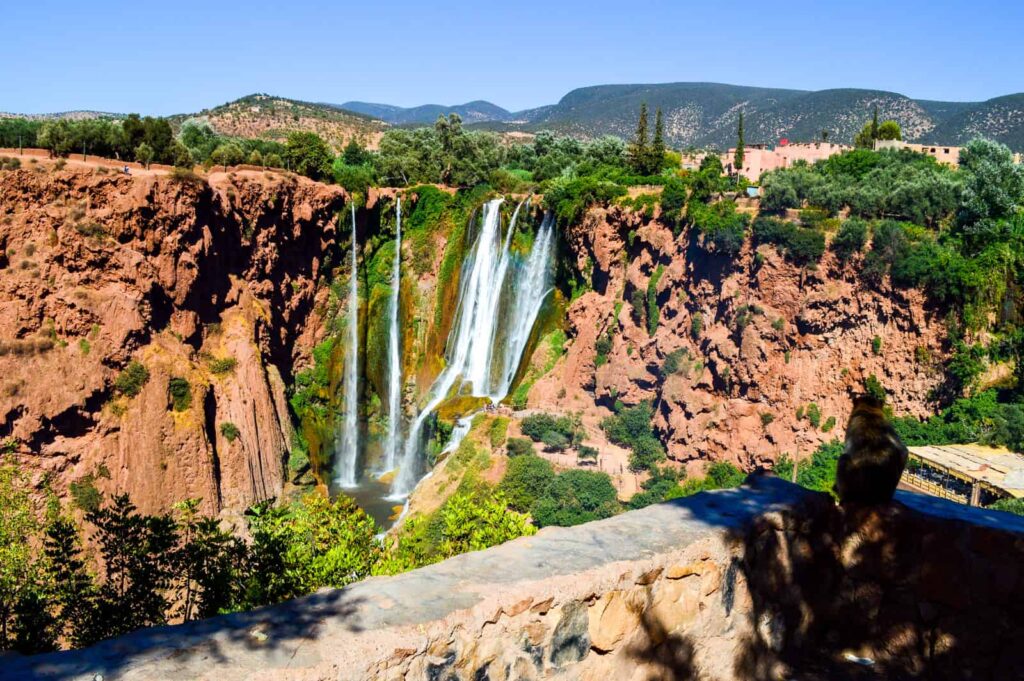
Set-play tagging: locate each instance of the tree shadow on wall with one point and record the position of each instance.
(262, 635)
(815, 591)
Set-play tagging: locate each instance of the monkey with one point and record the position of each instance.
(874, 456)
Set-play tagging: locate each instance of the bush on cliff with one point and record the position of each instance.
(130, 381)
(631, 427)
(526, 480)
(575, 497)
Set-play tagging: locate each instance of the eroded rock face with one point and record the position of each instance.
(769, 339)
(102, 269)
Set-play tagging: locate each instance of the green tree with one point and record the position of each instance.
(657, 155)
(138, 557)
(307, 154)
(576, 496)
(741, 147)
(206, 563)
(638, 152)
(889, 130)
(526, 479)
(144, 154)
(74, 592)
(19, 571)
(227, 154)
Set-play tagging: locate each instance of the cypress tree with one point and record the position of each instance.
(874, 124)
(741, 147)
(657, 155)
(74, 591)
(638, 151)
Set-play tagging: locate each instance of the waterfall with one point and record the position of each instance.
(392, 443)
(494, 316)
(532, 287)
(348, 440)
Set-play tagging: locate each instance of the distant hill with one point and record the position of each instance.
(80, 115)
(702, 115)
(706, 114)
(477, 111)
(270, 117)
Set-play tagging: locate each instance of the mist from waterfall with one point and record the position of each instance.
(499, 300)
(392, 444)
(347, 440)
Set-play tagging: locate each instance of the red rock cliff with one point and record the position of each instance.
(99, 269)
(773, 339)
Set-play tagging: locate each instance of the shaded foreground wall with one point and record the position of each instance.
(767, 581)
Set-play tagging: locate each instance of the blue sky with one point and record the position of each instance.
(181, 56)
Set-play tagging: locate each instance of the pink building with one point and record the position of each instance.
(758, 159)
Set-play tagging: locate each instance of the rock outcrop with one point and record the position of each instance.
(768, 581)
(757, 341)
(215, 282)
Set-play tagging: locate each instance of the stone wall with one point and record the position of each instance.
(768, 581)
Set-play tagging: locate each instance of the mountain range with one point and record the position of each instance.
(706, 114)
(699, 115)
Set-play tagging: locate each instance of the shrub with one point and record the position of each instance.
(799, 245)
(767, 418)
(526, 479)
(84, 493)
(519, 446)
(829, 424)
(723, 228)
(554, 441)
(696, 325)
(180, 392)
(851, 238)
(230, 431)
(813, 414)
(631, 427)
(876, 345)
(575, 497)
(586, 452)
(222, 365)
(535, 425)
(603, 345)
(498, 431)
(674, 361)
(874, 388)
(130, 381)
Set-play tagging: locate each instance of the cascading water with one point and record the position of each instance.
(491, 306)
(347, 440)
(532, 287)
(393, 443)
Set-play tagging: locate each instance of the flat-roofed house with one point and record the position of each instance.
(970, 474)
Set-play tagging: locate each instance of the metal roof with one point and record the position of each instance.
(995, 467)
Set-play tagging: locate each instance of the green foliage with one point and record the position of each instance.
(526, 480)
(570, 197)
(718, 475)
(574, 497)
(818, 473)
(602, 346)
(230, 431)
(800, 245)
(519, 446)
(813, 414)
(180, 392)
(307, 154)
(696, 325)
(724, 228)
(977, 418)
(1009, 505)
(631, 427)
(653, 311)
(829, 424)
(222, 365)
(84, 493)
(851, 238)
(876, 345)
(874, 388)
(130, 381)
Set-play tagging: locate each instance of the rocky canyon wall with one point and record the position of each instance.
(218, 283)
(757, 340)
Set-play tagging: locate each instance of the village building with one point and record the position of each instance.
(943, 154)
(759, 159)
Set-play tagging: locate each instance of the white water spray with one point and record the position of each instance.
(485, 332)
(393, 443)
(347, 440)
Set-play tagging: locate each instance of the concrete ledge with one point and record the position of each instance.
(595, 601)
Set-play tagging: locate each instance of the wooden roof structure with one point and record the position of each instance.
(994, 467)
